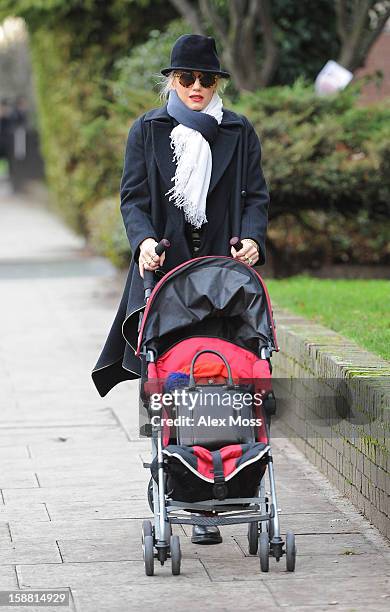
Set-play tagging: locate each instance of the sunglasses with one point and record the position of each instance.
(186, 79)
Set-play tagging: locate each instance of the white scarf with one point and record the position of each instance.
(192, 154)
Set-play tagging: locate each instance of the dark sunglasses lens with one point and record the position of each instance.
(207, 80)
(186, 79)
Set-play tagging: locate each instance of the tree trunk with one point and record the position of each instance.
(358, 30)
(248, 20)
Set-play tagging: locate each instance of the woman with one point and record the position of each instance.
(191, 174)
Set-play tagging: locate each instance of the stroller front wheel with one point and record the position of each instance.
(253, 538)
(291, 551)
(264, 551)
(148, 548)
(147, 529)
(175, 554)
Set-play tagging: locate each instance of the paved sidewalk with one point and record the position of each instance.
(72, 484)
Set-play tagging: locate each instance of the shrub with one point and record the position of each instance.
(322, 153)
(141, 68)
(107, 233)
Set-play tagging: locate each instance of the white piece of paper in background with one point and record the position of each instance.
(333, 77)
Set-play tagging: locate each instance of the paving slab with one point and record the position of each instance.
(355, 591)
(113, 548)
(107, 573)
(92, 493)
(8, 577)
(5, 537)
(328, 566)
(29, 551)
(30, 512)
(66, 477)
(176, 597)
(132, 508)
(29, 608)
(327, 544)
(14, 479)
(54, 530)
(13, 452)
(61, 435)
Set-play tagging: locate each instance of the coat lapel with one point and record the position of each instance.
(222, 151)
(162, 151)
(222, 148)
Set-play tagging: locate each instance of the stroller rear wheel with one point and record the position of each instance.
(175, 554)
(148, 549)
(147, 529)
(291, 551)
(150, 495)
(253, 538)
(264, 551)
(268, 526)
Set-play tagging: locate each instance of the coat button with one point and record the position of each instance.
(243, 193)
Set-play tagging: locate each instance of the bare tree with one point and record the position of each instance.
(248, 21)
(359, 23)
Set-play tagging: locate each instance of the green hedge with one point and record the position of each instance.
(107, 233)
(322, 153)
(81, 133)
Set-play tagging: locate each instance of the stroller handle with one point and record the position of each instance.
(149, 277)
(236, 243)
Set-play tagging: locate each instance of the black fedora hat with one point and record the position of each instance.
(195, 52)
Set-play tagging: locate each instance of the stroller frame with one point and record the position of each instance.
(261, 512)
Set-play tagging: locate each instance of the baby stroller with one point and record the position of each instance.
(208, 330)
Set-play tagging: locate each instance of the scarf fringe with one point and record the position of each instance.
(186, 165)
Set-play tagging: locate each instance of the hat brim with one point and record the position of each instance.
(222, 73)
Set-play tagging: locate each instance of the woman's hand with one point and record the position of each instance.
(148, 260)
(249, 253)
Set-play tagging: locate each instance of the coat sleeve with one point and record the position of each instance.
(134, 191)
(254, 218)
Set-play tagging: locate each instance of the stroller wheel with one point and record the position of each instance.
(253, 538)
(175, 554)
(291, 551)
(264, 551)
(150, 495)
(270, 527)
(148, 555)
(147, 529)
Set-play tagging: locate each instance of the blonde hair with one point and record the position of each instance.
(165, 84)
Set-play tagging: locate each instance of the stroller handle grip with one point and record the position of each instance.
(191, 382)
(149, 277)
(236, 243)
(162, 246)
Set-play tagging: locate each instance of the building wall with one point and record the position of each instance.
(378, 59)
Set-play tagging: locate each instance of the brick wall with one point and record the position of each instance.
(333, 399)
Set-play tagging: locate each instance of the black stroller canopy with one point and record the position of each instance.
(210, 296)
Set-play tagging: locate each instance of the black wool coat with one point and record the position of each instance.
(237, 205)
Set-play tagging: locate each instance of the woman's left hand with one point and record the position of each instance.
(248, 254)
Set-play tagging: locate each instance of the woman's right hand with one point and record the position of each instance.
(148, 260)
